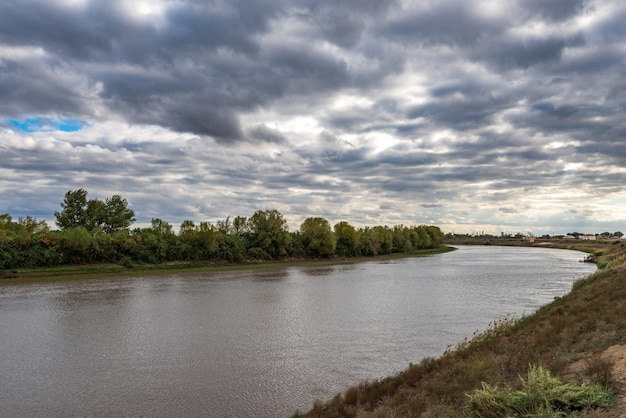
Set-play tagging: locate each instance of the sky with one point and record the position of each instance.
(473, 115)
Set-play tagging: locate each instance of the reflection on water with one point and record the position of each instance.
(271, 275)
(257, 342)
(318, 271)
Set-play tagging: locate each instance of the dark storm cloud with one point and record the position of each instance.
(554, 9)
(191, 72)
(460, 112)
(54, 28)
(266, 134)
(28, 89)
(524, 53)
(452, 23)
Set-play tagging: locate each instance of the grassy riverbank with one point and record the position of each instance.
(579, 337)
(82, 271)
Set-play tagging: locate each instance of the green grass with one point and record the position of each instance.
(540, 395)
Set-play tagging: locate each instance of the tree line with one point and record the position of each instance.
(95, 231)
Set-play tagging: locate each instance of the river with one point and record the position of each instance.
(254, 343)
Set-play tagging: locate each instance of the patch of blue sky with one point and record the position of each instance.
(42, 124)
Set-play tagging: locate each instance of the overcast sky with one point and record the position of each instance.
(495, 115)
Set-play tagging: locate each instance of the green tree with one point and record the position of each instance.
(6, 222)
(424, 239)
(161, 228)
(187, 228)
(111, 215)
(240, 225)
(207, 238)
(268, 232)
(95, 215)
(402, 241)
(31, 225)
(76, 243)
(154, 244)
(225, 226)
(382, 239)
(74, 210)
(117, 214)
(347, 239)
(436, 236)
(317, 237)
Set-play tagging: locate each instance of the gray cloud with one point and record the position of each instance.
(481, 113)
(266, 134)
(451, 23)
(554, 10)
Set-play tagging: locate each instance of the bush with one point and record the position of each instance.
(351, 397)
(541, 395)
(258, 253)
(127, 262)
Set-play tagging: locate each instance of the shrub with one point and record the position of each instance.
(127, 262)
(258, 253)
(541, 395)
(599, 369)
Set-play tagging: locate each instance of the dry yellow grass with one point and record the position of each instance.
(577, 327)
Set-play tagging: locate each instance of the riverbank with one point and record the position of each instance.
(93, 271)
(579, 337)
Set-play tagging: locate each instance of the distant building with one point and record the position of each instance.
(569, 237)
(589, 237)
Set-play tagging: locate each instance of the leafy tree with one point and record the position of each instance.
(367, 246)
(31, 225)
(224, 226)
(268, 231)
(231, 248)
(382, 239)
(207, 239)
(76, 243)
(74, 210)
(402, 241)
(161, 228)
(424, 239)
(95, 215)
(436, 236)
(240, 225)
(6, 222)
(154, 244)
(117, 214)
(187, 228)
(317, 237)
(618, 234)
(111, 215)
(347, 239)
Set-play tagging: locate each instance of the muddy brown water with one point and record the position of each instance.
(258, 343)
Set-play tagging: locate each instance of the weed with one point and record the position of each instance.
(541, 395)
(351, 396)
(494, 329)
(599, 369)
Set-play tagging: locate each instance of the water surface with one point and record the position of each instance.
(260, 343)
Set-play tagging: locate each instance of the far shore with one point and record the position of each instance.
(95, 271)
